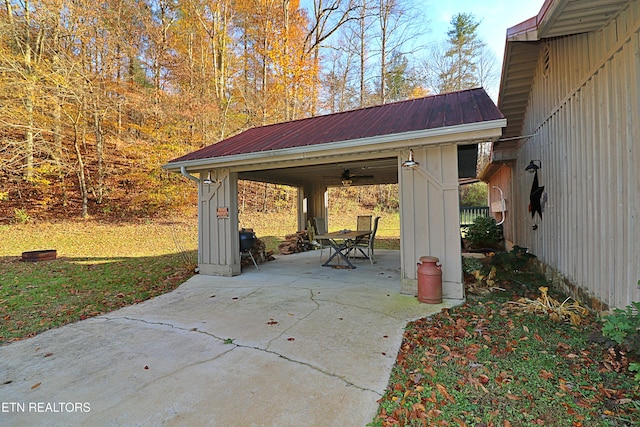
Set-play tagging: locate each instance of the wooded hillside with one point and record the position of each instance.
(95, 97)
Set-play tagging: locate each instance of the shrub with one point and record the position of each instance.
(484, 233)
(21, 216)
(623, 327)
(517, 259)
(470, 265)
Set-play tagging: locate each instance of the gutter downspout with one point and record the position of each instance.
(183, 171)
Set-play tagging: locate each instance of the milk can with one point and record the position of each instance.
(429, 280)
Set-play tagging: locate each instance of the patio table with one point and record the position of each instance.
(341, 242)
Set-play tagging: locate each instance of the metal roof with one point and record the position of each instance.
(432, 112)
(556, 18)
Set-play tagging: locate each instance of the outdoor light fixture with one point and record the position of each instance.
(410, 163)
(346, 182)
(532, 166)
(209, 181)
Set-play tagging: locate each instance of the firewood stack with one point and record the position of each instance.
(294, 243)
(259, 252)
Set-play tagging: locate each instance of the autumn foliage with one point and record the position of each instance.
(94, 98)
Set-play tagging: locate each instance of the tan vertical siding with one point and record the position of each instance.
(585, 117)
(219, 247)
(429, 217)
(502, 179)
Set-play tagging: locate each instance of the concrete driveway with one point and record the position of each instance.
(293, 344)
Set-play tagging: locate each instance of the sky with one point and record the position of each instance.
(495, 17)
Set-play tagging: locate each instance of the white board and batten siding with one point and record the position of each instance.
(584, 112)
(219, 247)
(430, 217)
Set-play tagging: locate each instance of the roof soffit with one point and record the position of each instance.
(556, 18)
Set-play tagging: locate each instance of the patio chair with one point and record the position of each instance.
(364, 223)
(367, 243)
(321, 228)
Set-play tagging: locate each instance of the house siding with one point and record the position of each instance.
(429, 217)
(503, 180)
(584, 114)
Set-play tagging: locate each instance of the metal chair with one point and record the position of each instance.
(321, 228)
(367, 243)
(364, 223)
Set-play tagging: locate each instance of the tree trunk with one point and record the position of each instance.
(30, 145)
(82, 182)
(99, 135)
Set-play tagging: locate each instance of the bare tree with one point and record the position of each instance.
(327, 18)
(398, 23)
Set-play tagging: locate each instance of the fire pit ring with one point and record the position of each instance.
(42, 255)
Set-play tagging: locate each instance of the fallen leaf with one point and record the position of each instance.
(434, 413)
(545, 374)
(563, 386)
(460, 422)
(443, 391)
(290, 339)
(418, 407)
(36, 385)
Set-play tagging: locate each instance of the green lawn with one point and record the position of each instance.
(99, 268)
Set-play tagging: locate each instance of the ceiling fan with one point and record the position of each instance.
(347, 177)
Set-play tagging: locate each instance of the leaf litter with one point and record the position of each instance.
(503, 359)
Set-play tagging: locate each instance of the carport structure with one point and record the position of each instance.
(312, 155)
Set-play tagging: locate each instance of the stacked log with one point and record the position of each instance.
(259, 252)
(294, 243)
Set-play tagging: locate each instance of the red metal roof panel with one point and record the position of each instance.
(431, 112)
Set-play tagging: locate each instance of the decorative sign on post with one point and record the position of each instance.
(222, 212)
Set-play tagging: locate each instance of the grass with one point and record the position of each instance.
(487, 363)
(104, 266)
(100, 267)
(491, 362)
(272, 228)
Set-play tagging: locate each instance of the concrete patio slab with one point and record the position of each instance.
(291, 344)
